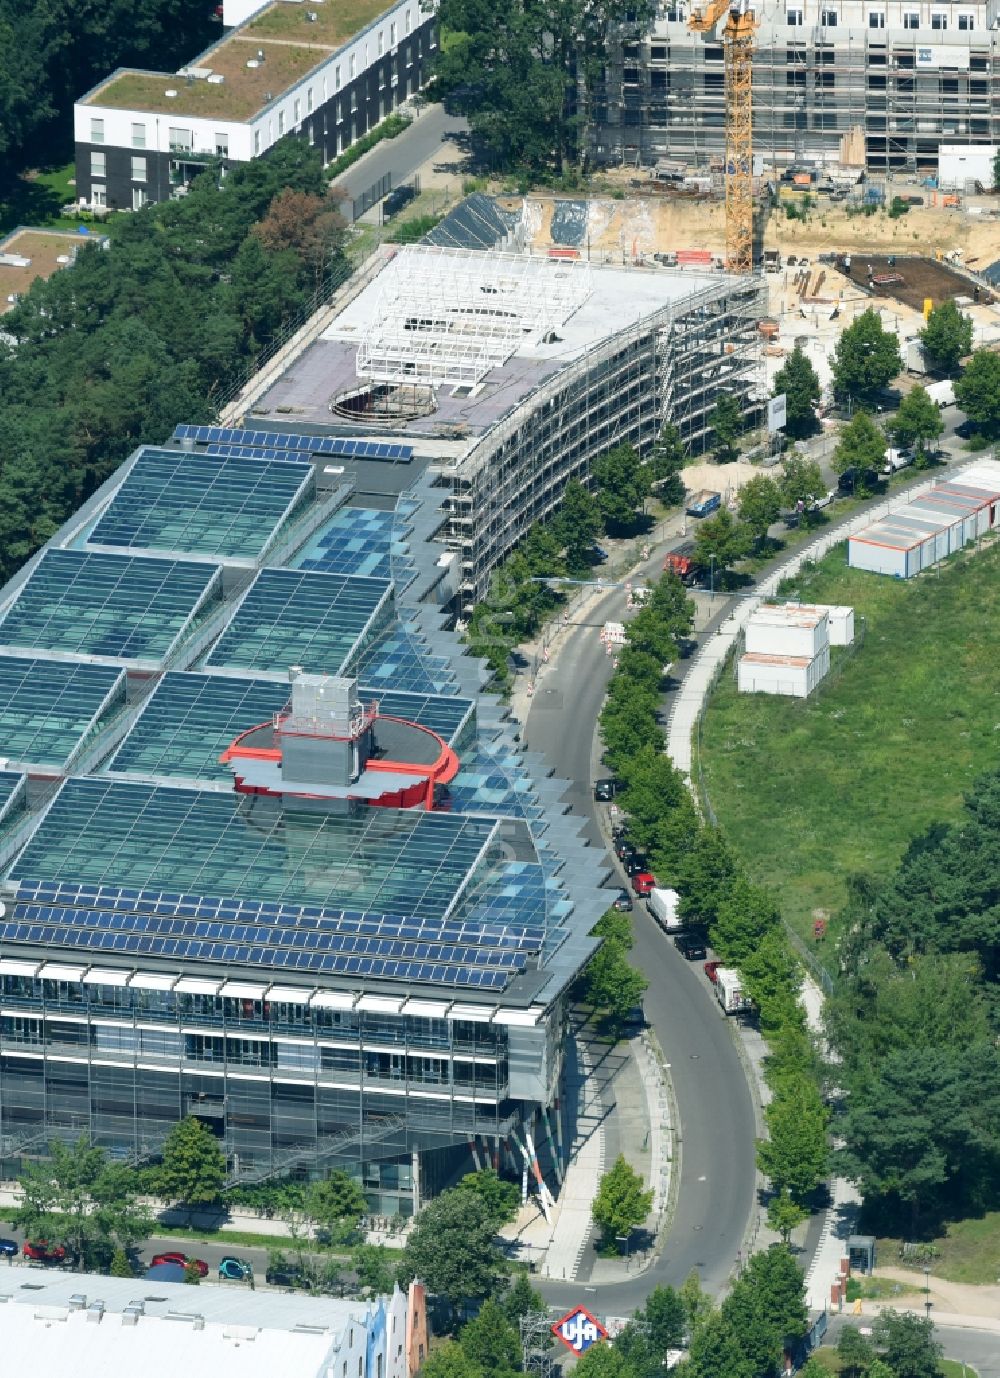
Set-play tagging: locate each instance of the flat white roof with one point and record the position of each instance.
(759, 658)
(787, 615)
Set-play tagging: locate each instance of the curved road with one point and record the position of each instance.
(714, 1107)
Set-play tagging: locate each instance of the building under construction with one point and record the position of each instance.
(508, 375)
(875, 82)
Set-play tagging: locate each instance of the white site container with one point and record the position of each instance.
(783, 630)
(840, 619)
(729, 990)
(791, 676)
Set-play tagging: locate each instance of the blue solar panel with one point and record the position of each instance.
(308, 444)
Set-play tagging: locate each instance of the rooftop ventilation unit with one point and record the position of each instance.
(170, 94)
(252, 62)
(216, 79)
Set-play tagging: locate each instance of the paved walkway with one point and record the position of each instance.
(585, 1096)
(947, 1298)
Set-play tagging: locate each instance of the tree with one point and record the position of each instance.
(745, 915)
(907, 1344)
(784, 1215)
(622, 485)
(120, 1266)
(521, 1299)
(451, 1249)
(917, 421)
(611, 984)
(760, 506)
(192, 1275)
(602, 1361)
(307, 225)
(621, 1203)
(373, 1268)
(76, 1198)
(500, 1198)
(717, 1349)
(698, 1304)
(977, 392)
(801, 483)
(947, 337)
(336, 1203)
(719, 543)
(798, 380)
(665, 1317)
(614, 927)
(766, 1309)
(866, 358)
(577, 523)
(727, 423)
(491, 1341)
(193, 1170)
(855, 1352)
(705, 876)
(861, 448)
(449, 1360)
(795, 1155)
(629, 723)
(667, 460)
(771, 976)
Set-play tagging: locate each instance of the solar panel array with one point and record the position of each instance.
(122, 608)
(357, 541)
(174, 925)
(293, 617)
(47, 706)
(115, 832)
(316, 445)
(176, 501)
(190, 719)
(398, 659)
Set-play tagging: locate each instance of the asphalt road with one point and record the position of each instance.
(402, 156)
(713, 1100)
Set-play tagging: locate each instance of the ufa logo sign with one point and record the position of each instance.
(578, 1330)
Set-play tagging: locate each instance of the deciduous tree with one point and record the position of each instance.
(727, 425)
(801, 483)
(622, 1201)
(577, 525)
(907, 1344)
(798, 380)
(719, 543)
(451, 1249)
(866, 358)
(193, 1171)
(336, 1201)
(977, 392)
(448, 1359)
(795, 1154)
(491, 1341)
(760, 505)
(622, 482)
(784, 1215)
(861, 448)
(611, 984)
(917, 422)
(500, 1198)
(947, 337)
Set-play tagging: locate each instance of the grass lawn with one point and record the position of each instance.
(811, 792)
(826, 1356)
(36, 198)
(968, 1252)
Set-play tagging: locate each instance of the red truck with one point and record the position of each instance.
(681, 563)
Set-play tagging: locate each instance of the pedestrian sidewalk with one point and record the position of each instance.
(572, 1221)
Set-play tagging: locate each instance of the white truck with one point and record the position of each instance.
(729, 992)
(942, 393)
(662, 904)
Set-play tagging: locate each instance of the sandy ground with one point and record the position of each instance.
(945, 1296)
(726, 479)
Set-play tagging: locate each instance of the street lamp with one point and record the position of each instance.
(711, 580)
(927, 1293)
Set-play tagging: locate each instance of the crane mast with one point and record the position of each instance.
(738, 49)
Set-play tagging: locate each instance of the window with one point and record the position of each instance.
(876, 19)
(658, 52)
(829, 19)
(297, 109)
(281, 123)
(138, 169)
(309, 100)
(392, 35)
(793, 18)
(939, 20)
(256, 142)
(96, 131)
(98, 164)
(221, 144)
(98, 196)
(407, 21)
(138, 136)
(179, 138)
(354, 65)
(336, 77)
(381, 42)
(911, 19)
(966, 22)
(139, 198)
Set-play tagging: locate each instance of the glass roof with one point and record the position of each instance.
(118, 607)
(47, 706)
(177, 501)
(213, 843)
(190, 719)
(357, 541)
(292, 617)
(399, 659)
(10, 784)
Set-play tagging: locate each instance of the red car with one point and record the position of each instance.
(43, 1252)
(182, 1261)
(643, 882)
(711, 967)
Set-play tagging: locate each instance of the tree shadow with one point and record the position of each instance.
(25, 202)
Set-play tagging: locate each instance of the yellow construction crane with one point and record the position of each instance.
(738, 46)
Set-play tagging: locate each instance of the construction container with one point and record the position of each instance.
(784, 630)
(840, 621)
(931, 527)
(790, 676)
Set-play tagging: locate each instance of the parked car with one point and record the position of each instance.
(691, 945)
(41, 1251)
(8, 1247)
(622, 902)
(635, 862)
(236, 1269)
(824, 500)
(643, 882)
(604, 791)
(624, 847)
(287, 1276)
(182, 1261)
(711, 967)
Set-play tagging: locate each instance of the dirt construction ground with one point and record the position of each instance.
(921, 278)
(614, 230)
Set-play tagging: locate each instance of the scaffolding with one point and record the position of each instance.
(445, 317)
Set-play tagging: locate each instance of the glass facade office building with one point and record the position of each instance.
(325, 980)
